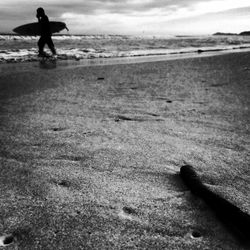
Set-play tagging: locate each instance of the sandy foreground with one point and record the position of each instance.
(90, 156)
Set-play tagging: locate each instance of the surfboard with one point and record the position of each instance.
(33, 29)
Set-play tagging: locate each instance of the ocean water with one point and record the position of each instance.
(14, 48)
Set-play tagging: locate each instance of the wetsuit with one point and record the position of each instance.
(45, 35)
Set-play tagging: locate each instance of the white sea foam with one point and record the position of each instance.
(64, 37)
(14, 48)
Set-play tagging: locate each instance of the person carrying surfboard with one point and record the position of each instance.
(45, 33)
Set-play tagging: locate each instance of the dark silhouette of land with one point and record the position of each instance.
(244, 33)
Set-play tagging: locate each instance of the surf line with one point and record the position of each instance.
(237, 221)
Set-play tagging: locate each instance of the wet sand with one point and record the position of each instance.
(90, 156)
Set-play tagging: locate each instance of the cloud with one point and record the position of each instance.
(123, 15)
(232, 20)
(203, 18)
(56, 7)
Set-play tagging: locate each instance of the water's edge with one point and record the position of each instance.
(31, 66)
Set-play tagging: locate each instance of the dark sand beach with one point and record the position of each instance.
(90, 156)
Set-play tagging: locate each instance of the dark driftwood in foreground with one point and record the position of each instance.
(235, 219)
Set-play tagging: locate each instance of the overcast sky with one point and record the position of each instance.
(149, 17)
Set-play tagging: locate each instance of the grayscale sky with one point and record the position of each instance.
(148, 17)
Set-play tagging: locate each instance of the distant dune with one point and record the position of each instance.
(244, 33)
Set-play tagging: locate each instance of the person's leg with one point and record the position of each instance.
(51, 45)
(41, 44)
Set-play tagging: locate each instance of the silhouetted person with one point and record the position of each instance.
(45, 32)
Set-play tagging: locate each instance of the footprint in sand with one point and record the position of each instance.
(6, 240)
(58, 129)
(64, 183)
(128, 213)
(136, 119)
(196, 235)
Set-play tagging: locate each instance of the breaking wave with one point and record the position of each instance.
(14, 48)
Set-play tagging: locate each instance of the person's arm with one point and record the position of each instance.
(39, 18)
